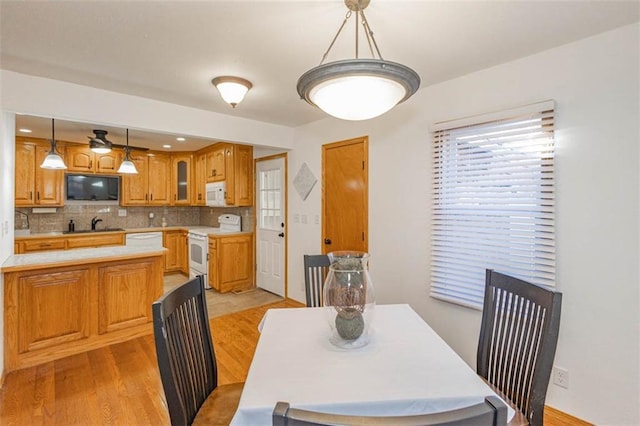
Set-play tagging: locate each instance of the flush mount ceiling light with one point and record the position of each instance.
(99, 144)
(127, 165)
(232, 89)
(53, 159)
(358, 89)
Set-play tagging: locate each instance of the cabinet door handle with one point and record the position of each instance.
(90, 164)
(31, 195)
(151, 197)
(327, 241)
(38, 195)
(175, 197)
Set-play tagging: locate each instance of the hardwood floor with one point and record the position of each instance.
(120, 384)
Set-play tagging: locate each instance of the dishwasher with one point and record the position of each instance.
(144, 239)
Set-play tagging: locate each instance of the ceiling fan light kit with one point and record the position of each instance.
(232, 89)
(100, 144)
(53, 160)
(358, 89)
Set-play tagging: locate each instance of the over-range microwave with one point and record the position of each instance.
(215, 193)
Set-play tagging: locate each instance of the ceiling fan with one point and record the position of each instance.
(101, 145)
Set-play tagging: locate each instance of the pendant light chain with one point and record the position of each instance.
(346, 18)
(370, 39)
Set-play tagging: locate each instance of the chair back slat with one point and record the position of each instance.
(316, 268)
(185, 350)
(518, 339)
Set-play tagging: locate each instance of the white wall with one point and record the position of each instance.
(57, 99)
(595, 83)
(7, 167)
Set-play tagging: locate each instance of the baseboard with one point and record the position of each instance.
(557, 417)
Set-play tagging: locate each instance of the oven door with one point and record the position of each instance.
(198, 252)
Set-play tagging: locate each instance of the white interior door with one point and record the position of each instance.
(270, 229)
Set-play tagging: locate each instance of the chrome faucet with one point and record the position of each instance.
(94, 222)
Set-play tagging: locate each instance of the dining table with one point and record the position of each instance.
(405, 369)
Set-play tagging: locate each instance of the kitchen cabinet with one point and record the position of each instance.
(216, 163)
(95, 240)
(68, 242)
(175, 258)
(231, 265)
(239, 175)
(43, 244)
(54, 311)
(80, 159)
(199, 179)
(35, 186)
(150, 186)
(181, 165)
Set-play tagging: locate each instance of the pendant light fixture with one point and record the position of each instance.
(232, 89)
(53, 160)
(358, 89)
(99, 144)
(127, 165)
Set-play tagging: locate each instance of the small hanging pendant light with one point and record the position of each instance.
(53, 160)
(127, 165)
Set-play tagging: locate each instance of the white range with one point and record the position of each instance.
(199, 243)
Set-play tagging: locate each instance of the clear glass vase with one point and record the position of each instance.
(349, 298)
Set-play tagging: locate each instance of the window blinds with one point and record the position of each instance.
(493, 204)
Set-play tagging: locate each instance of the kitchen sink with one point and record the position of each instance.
(86, 231)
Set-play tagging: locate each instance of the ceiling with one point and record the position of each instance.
(170, 50)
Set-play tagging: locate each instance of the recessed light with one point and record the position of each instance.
(180, 139)
(25, 130)
(166, 146)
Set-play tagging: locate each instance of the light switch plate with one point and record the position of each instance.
(122, 212)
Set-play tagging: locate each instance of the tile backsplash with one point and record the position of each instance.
(136, 217)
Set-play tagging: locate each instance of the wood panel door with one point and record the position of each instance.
(25, 174)
(199, 180)
(216, 163)
(235, 262)
(134, 186)
(79, 158)
(345, 199)
(108, 163)
(49, 183)
(125, 295)
(159, 179)
(42, 297)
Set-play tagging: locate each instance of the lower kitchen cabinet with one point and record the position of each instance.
(231, 262)
(56, 311)
(65, 242)
(176, 257)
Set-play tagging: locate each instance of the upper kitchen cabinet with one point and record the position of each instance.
(80, 159)
(35, 186)
(150, 186)
(199, 179)
(181, 178)
(216, 163)
(239, 175)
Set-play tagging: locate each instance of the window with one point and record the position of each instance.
(493, 203)
(270, 215)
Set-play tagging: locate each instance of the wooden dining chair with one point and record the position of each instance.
(491, 412)
(316, 267)
(187, 360)
(518, 338)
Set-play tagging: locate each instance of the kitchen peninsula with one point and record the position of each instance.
(64, 302)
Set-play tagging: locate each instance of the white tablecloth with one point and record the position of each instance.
(405, 369)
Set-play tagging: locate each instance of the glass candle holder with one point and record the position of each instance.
(349, 298)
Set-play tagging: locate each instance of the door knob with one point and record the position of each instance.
(327, 241)
(281, 235)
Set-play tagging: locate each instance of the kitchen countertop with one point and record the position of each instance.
(57, 258)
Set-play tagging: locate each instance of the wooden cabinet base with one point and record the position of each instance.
(60, 311)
